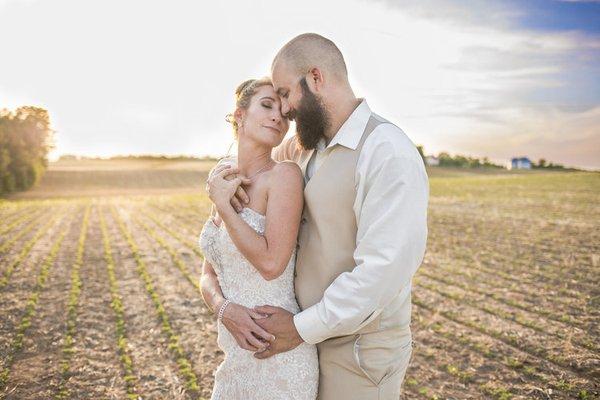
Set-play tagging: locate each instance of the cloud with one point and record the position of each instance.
(457, 13)
(151, 77)
(571, 138)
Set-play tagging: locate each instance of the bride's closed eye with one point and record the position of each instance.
(267, 105)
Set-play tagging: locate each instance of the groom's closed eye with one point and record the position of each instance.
(283, 93)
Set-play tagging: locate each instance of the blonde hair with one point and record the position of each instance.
(243, 96)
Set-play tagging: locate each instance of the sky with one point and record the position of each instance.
(493, 79)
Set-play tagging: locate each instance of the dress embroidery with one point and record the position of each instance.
(290, 375)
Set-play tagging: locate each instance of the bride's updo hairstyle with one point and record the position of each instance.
(243, 97)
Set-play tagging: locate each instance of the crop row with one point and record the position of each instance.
(498, 352)
(30, 308)
(467, 264)
(179, 263)
(185, 366)
(189, 213)
(32, 222)
(499, 292)
(512, 315)
(515, 339)
(73, 302)
(188, 243)
(25, 251)
(516, 257)
(119, 311)
(18, 219)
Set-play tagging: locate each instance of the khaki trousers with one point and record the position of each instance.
(364, 366)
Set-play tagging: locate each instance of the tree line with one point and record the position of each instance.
(137, 157)
(543, 164)
(447, 160)
(25, 140)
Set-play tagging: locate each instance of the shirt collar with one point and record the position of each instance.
(352, 129)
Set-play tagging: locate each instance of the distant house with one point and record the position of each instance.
(520, 163)
(432, 161)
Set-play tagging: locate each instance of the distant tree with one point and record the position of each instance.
(25, 140)
(543, 164)
(421, 151)
(446, 160)
(68, 157)
(154, 157)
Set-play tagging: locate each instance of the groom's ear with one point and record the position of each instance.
(315, 79)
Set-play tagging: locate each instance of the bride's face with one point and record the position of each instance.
(262, 120)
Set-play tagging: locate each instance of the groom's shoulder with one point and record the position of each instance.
(389, 139)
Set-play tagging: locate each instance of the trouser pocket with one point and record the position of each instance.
(381, 355)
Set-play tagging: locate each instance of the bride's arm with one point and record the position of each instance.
(210, 288)
(270, 253)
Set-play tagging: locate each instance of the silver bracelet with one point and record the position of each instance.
(222, 309)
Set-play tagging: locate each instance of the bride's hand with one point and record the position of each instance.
(221, 190)
(239, 321)
(241, 197)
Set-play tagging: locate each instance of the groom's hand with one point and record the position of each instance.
(241, 322)
(280, 323)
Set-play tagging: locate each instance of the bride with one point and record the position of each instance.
(250, 255)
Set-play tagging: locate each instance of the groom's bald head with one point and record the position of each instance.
(311, 50)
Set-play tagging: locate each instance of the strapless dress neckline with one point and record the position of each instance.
(245, 210)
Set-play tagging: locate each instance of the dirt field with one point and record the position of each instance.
(99, 293)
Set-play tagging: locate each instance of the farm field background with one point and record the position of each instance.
(99, 295)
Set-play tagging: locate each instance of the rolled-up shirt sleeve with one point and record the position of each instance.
(391, 214)
(287, 150)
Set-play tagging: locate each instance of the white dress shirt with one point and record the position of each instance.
(392, 192)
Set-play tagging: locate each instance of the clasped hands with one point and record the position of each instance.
(264, 330)
(224, 186)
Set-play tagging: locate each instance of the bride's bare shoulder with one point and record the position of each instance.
(286, 173)
(287, 167)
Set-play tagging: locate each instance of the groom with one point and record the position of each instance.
(363, 229)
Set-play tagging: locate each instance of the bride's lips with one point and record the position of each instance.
(272, 128)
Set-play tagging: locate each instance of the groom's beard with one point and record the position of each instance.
(312, 119)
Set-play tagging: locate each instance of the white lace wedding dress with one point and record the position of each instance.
(291, 375)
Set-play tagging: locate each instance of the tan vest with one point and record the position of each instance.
(327, 237)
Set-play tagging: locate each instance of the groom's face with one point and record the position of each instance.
(299, 103)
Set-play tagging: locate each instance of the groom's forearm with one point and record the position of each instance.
(287, 150)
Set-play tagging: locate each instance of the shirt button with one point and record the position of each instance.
(303, 220)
